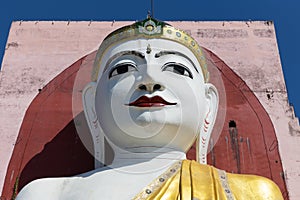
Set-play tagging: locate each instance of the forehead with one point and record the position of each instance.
(141, 45)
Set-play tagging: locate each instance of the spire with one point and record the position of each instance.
(150, 12)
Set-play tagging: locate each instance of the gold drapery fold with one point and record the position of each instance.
(190, 180)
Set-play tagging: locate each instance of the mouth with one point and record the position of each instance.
(155, 101)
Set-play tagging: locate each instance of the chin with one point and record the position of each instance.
(168, 136)
(160, 116)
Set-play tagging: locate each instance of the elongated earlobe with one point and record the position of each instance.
(88, 99)
(208, 123)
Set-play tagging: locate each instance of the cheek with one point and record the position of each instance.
(191, 96)
(117, 89)
(186, 89)
(111, 97)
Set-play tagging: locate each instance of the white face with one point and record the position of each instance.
(153, 98)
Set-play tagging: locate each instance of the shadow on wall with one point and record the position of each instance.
(64, 156)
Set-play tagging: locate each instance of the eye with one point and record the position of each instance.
(122, 68)
(177, 68)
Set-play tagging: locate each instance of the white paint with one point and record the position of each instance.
(172, 126)
(112, 182)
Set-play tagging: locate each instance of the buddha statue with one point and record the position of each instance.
(150, 99)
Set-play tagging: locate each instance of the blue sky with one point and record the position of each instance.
(285, 14)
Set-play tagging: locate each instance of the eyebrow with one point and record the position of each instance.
(163, 53)
(123, 53)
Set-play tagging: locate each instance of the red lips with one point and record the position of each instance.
(155, 101)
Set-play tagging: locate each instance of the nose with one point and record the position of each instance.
(151, 87)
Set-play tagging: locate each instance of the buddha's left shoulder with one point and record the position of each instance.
(260, 187)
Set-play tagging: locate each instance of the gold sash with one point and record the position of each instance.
(189, 180)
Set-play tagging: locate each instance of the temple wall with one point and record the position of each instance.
(36, 52)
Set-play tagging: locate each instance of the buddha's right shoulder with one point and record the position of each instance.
(254, 186)
(46, 188)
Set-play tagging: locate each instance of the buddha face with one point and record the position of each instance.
(151, 93)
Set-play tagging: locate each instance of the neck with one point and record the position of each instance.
(143, 159)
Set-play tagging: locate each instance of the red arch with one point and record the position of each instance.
(48, 146)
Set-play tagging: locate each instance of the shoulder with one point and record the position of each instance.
(46, 188)
(255, 186)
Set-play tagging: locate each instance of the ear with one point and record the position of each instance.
(208, 122)
(88, 100)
